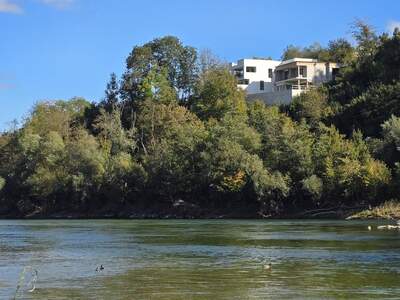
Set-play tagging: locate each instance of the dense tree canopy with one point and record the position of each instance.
(176, 134)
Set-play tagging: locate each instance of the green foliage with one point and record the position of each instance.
(177, 128)
(234, 129)
(312, 106)
(366, 38)
(165, 54)
(341, 51)
(287, 145)
(86, 167)
(2, 183)
(346, 167)
(314, 51)
(232, 171)
(60, 168)
(391, 130)
(48, 174)
(387, 148)
(173, 137)
(112, 93)
(369, 110)
(56, 116)
(216, 95)
(376, 62)
(112, 135)
(156, 86)
(314, 186)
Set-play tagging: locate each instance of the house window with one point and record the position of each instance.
(243, 81)
(261, 85)
(335, 72)
(251, 69)
(238, 73)
(303, 71)
(270, 73)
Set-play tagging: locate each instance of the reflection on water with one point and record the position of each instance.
(186, 259)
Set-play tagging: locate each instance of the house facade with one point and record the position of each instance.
(284, 80)
(255, 76)
(303, 73)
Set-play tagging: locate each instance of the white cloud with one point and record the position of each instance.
(12, 6)
(7, 6)
(60, 4)
(391, 25)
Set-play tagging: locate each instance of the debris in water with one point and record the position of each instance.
(268, 266)
(30, 285)
(388, 227)
(101, 268)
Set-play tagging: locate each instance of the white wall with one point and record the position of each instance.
(261, 74)
(319, 73)
(316, 73)
(275, 97)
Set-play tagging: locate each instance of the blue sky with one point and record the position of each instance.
(58, 49)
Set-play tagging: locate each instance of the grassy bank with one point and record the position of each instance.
(387, 210)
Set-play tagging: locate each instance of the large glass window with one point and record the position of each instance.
(270, 73)
(286, 74)
(251, 69)
(261, 85)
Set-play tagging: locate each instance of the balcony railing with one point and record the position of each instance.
(295, 87)
(300, 87)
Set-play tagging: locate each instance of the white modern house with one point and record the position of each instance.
(300, 74)
(255, 75)
(289, 78)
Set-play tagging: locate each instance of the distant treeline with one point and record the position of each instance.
(175, 131)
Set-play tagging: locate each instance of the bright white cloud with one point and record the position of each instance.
(392, 25)
(60, 4)
(7, 6)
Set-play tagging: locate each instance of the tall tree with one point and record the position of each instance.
(167, 53)
(111, 99)
(216, 95)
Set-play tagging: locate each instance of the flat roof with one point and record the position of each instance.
(299, 59)
(304, 60)
(254, 59)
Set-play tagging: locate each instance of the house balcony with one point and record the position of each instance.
(238, 73)
(295, 85)
(291, 73)
(293, 79)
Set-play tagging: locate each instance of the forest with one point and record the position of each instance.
(175, 137)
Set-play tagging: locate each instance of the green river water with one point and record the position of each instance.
(200, 259)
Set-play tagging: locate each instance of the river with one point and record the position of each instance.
(199, 259)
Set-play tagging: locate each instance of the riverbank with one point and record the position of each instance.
(185, 210)
(389, 210)
(177, 210)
